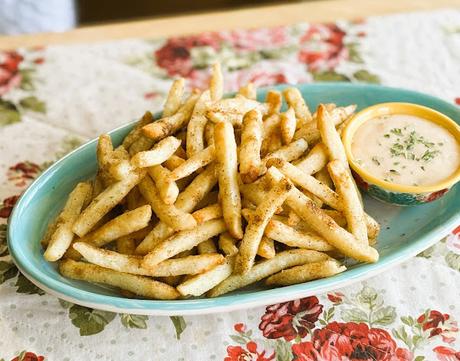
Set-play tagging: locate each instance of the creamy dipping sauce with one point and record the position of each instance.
(406, 149)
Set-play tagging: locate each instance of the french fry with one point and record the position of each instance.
(270, 127)
(62, 236)
(170, 124)
(125, 245)
(227, 169)
(315, 160)
(330, 137)
(351, 205)
(173, 162)
(256, 226)
(266, 268)
(132, 264)
(216, 85)
(196, 125)
(306, 272)
(120, 226)
(209, 133)
(325, 226)
(104, 150)
(287, 125)
(274, 101)
(294, 99)
(167, 188)
(289, 152)
(195, 162)
(228, 244)
(251, 142)
(201, 283)
(182, 241)
(373, 227)
(50, 229)
(311, 184)
(205, 214)
(174, 98)
(291, 237)
(169, 214)
(248, 91)
(323, 176)
(141, 142)
(160, 152)
(104, 202)
(120, 169)
(207, 247)
(266, 248)
(136, 132)
(139, 285)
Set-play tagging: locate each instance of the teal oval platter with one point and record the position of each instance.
(405, 231)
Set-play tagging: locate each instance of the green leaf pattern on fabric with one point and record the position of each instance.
(179, 325)
(134, 321)
(89, 321)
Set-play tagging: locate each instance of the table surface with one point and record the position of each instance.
(318, 11)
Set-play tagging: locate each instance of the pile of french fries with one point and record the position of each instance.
(217, 194)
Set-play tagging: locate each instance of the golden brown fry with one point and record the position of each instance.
(289, 152)
(311, 184)
(248, 91)
(104, 202)
(199, 284)
(209, 133)
(62, 236)
(270, 127)
(205, 214)
(173, 162)
(294, 99)
(306, 272)
(104, 150)
(274, 101)
(196, 125)
(330, 137)
(182, 241)
(125, 245)
(195, 162)
(227, 170)
(257, 223)
(174, 99)
(266, 268)
(141, 286)
(141, 142)
(136, 132)
(120, 226)
(167, 188)
(266, 248)
(216, 84)
(251, 142)
(291, 237)
(325, 226)
(315, 160)
(351, 205)
(170, 124)
(228, 244)
(323, 176)
(207, 247)
(169, 214)
(160, 152)
(287, 125)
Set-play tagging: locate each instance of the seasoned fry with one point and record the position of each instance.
(104, 150)
(62, 236)
(182, 241)
(170, 124)
(173, 162)
(311, 184)
(167, 188)
(330, 137)
(167, 213)
(196, 125)
(289, 152)
(270, 128)
(207, 247)
(251, 142)
(139, 285)
(257, 223)
(266, 268)
(104, 202)
(248, 91)
(132, 264)
(228, 244)
(126, 245)
(324, 177)
(195, 162)
(315, 160)
(136, 132)
(174, 99)
(160, 152)
(325, 226)
(266, 248)
(291, 237)
(274, 101)
(120, 226)
(200, 284)
(227, 169)
(294, 99)
(306, 272)
(287, 125)
(50, 229)
(216, 85)
(205, 214)
(209, 133)
(351, 206)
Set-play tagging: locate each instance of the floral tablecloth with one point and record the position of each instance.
(52, 99)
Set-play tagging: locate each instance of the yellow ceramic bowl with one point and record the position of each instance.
(390, 192)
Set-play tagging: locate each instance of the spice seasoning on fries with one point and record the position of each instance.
(215, 195)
